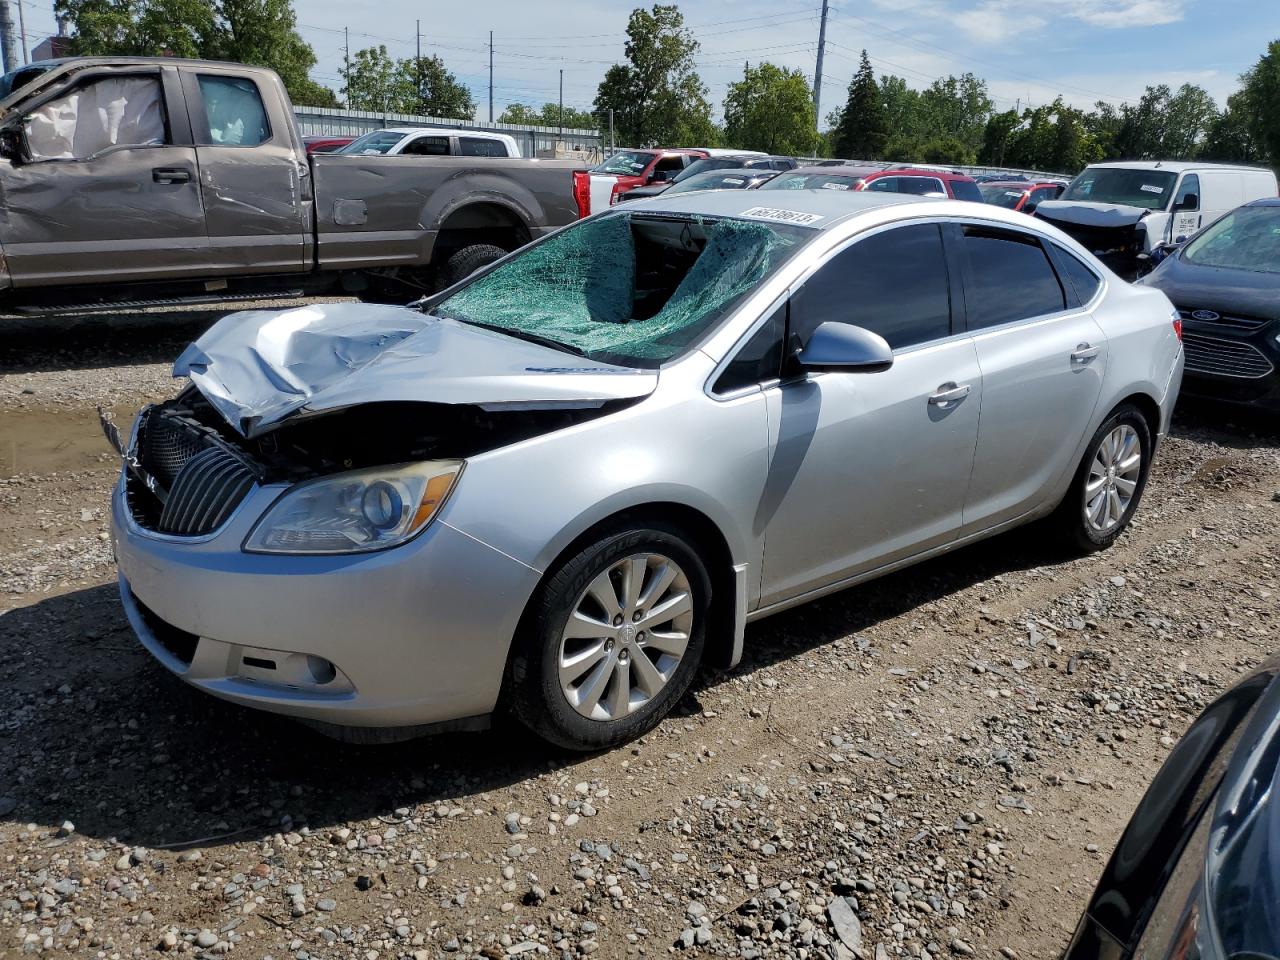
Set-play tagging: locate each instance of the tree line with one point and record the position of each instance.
(655, 96)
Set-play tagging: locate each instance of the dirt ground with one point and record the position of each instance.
(949, 753)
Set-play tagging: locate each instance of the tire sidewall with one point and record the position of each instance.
(470, 259)
(541, 703)
(1083, 530)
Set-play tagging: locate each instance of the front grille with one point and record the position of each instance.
(198, 479)
(1114, 241)
(1223, 358)
(1223, 320)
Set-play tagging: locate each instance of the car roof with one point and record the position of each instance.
(832, 206)
(845, 171)
(921, 172)
(445, 132)
(1174, 166)
(1264, 202)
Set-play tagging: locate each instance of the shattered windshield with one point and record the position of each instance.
(1245, 239)
(1148, 189)
(631, 289)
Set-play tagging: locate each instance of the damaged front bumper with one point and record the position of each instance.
(411, 636)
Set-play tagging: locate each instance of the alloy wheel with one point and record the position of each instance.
(1113, 478)
(625, 636)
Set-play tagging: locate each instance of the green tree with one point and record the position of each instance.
(957, 107)
(370, 82)
(1231, 136)
(1262, 94)
(770, 109)
(260, 32)
(548, 115)
(657, 96)
(863, 127)
(997, 136)
(426, 86)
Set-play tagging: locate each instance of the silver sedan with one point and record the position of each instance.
(560, 486)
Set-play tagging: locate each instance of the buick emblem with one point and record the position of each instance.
(1205, 316)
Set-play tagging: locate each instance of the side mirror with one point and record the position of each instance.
(1029, 208)
(1190, 201)
(842, 346)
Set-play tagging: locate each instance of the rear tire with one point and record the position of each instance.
(470, 259)
(638, 599)
(1108, 484)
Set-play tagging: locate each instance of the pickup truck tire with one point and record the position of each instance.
(470, 259)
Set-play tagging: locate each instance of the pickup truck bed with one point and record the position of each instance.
(160, 179)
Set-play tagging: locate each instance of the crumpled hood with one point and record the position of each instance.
(259, 367)
(1091, 214)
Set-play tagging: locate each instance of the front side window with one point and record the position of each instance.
(966, 190)
(1148, 189)
(892, 283)
(1189, 189)
(884, 185)
(234, 110)
(1045, 193)
(427, 147)
(102, 113)
(630, 288)
(759, 359)
(1245, 239)
(1008, 277)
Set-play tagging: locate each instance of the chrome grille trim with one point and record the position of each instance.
(208, 488)
(1227, 321)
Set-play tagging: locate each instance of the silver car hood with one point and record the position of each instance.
(1088, 214)
(259, 367)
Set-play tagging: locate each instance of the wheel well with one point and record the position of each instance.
(479, 223)
(1149, 409)
(705, 537)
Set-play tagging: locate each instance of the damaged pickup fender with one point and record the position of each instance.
(258, 368)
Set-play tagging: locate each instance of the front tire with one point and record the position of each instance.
(1109, 482)
(613, 640)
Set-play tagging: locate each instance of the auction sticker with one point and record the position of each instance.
(783, 216)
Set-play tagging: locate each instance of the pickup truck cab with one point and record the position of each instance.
(160, 179)
(432, 142)
(627, 169)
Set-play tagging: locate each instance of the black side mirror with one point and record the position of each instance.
(1029, 208)
(13, 145)
(1190, 201)
(842, 346)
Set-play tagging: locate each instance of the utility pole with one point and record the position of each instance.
(817, 72)
(7, 47)
(22, 32)
(346, 63)
(612, 147)
(491, 76)
(562, 103)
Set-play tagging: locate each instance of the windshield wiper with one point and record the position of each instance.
(526, 335)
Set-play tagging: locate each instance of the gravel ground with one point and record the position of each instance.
(935, 764)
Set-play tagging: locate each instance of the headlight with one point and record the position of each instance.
(355, 512)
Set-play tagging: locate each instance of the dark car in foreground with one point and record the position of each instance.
(1225, 283)
(1196, 874)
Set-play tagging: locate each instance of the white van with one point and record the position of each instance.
(432, 142)
(1125, 209)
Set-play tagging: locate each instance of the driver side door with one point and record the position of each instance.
(109, 189)
(870, 468)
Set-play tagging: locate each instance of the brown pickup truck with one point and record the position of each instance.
(136, 180)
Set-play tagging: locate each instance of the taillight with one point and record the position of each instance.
(582, 192)
(618, 190)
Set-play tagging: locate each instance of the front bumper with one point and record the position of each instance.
(414, 635)
(1240, 366)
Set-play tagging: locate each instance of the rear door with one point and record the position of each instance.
(110, 190)
(254, 180)
(1042, 358)
(426, 146)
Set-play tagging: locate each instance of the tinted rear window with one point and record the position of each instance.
(481, 147)
(1008, 277)
(966, 190)
(1084, 280)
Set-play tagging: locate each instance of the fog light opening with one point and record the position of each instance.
(321, 670)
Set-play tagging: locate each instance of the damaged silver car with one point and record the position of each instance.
(560, 486)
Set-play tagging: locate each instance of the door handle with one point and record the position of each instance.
(949, 393)
(170, 175)
(1084, 353)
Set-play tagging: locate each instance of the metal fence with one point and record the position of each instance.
(533, 141)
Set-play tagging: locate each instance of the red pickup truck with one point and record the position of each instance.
(628, 169)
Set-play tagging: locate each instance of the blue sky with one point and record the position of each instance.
(1026, 49)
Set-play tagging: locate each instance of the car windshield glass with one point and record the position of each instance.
(379, 141)
(1000, 195)
(706, 165)
(1245, 239)
(1149, 189)
(812, 181)
(714, 180)
(629, 163)
(631, 289)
